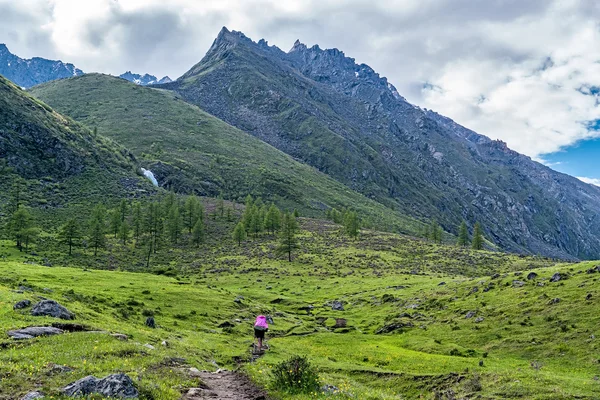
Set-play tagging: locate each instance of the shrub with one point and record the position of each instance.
(295, 375)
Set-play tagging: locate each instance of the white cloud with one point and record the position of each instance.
(592, 181)
(510, 69)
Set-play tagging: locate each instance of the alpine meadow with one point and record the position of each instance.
(276, 224)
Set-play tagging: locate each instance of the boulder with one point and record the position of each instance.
(34, 331)
(394, 326)
(470, 314)
(557, 277)
(22, 304)
(337, 305)
(594, 270)
(33, 396)
(554, 301)
(531, 275)
(120, 336)
(495, 276)
(150, 322)
(117, 385)
(51, 308)
(518, 283)
(479, 319)
(441, 283)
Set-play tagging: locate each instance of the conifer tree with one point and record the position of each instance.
(198, 232)
(174, 223)
(192, 211)
(123, 209)
(20, 226)
(124, 231)
(17, 193)
(221, 205)
(273, 219)
(256, 222)
(137, 221)
(115, 222)
(239, 233)
(70, 234)
(288, 242)
(296, 213)
(463, 235)
(435, 232)
(477, 243)
(351, 224)
(97, 229)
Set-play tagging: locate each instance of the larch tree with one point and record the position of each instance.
(463, 235)
(239, 233)
(288, 240)
(477, 242)
(70, 234)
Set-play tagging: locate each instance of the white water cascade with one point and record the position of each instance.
(148, 174)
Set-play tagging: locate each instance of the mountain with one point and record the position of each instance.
(345, 120)
(60, 160)
(28, 73)
(145, 79)
(189, 150)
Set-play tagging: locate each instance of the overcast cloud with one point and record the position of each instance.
(523, 71)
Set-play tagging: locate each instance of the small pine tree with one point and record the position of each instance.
(124, 231)
(137, 221)
(174, 223)
(115, 222)
(19, 225)
(435, 232)
(96, 235)
(229, 214)
(477, 243)
(192, 211)
(256, 222)
(221, 205)
(70, 234)
(463, 235)
(273, 219)
(288, 242)
(198, 232)
(123, 210)
(351, 224)
(296, 213)
(239, 233)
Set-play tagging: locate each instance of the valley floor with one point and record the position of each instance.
(418, 321)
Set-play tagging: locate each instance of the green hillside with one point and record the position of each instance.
(419, 320)
(191, 151)
(58, 160)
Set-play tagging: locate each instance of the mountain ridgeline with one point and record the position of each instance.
(28, 73)
(345, 120)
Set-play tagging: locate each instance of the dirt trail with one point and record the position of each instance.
(225, 385)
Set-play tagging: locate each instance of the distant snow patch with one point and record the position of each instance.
(148, 174)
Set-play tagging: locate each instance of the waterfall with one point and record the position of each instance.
(148, 174)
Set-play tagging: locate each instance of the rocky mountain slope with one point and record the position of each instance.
(344, 119)
(145, 79)
(191, 151)
(58, 158)
(27, 73)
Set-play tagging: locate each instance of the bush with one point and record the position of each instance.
(295, 375)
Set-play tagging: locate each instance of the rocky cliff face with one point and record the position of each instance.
(28, 73)
(347, 121)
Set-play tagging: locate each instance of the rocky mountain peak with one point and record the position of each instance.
(298, 46)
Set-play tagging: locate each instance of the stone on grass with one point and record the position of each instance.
(34, 331)
(33, 396)
(150, 322)
(518, 283)
(22, 304)
(479, 319)
(51, 308)
(120, 336)
(531, 275)
(470, 314)
(117, 385)
(337, 305)
(556, 277)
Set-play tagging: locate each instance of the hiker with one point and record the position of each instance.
(260, 327)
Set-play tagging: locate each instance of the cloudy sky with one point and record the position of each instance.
(523, 71)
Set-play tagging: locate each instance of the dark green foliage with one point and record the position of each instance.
(477, 243)
(192, 212)
(435, 232)
(351, 224)
(97, 228)
(288, 241)
(20, 227)
(70, 234)
(239, 233)
(220, 205)
(174, 223)
(273, 219)
(198, 232)
(115, 222)
(124, 232)
(137, 221)
(463, 235)
(295, 375)
(256, 221)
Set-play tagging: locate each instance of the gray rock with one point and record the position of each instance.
(555, 301)
(518, 283)
(238, 299)
(441, 283)
(120, 336)
(22, 304)
(330, 389)
(531, 275)
(479, 319)
(34, 331)
(51, 308)
(470, 314)
(556, 277)
(150, 322)
(495, 276)
(117, 385)
(337, 305)
(33, 395)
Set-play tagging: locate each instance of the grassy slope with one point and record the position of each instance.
(520, 325)
(60, 159)
(198, 152)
